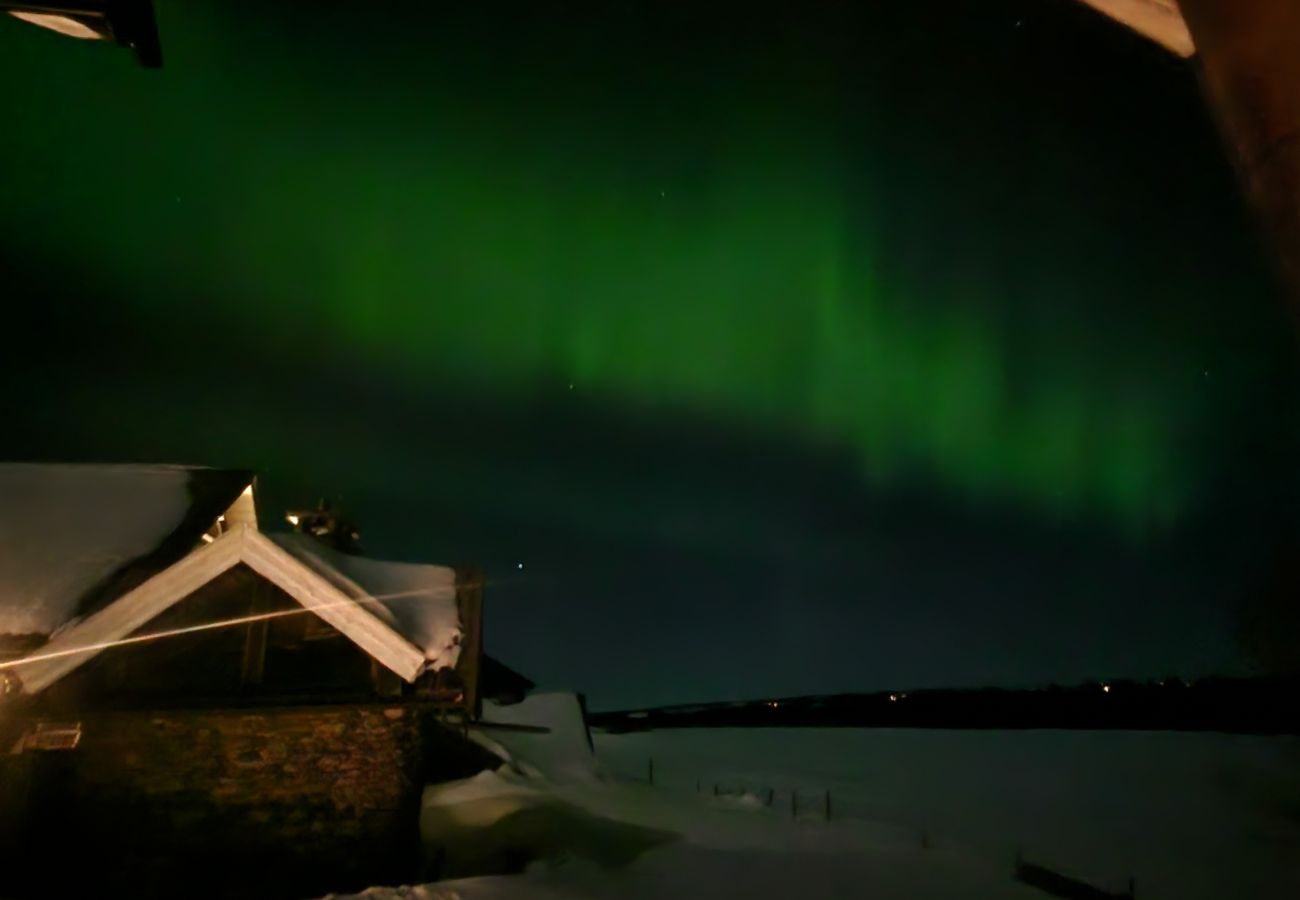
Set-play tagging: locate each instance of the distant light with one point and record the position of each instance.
(1105, 688)
(893, 698)
(292, 519)
(61, 24)
(772, 703)
(519, 566)
(207, 538)
(221, 518)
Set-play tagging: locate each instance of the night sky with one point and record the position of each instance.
(847, 347)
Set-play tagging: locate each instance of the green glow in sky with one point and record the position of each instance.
(781, 250)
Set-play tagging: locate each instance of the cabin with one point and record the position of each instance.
(188, 699)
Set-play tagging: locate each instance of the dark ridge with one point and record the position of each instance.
(1230, 705)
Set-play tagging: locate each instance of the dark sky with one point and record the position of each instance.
(850, 346)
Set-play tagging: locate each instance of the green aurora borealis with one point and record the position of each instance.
(727, 253)
(990, 278)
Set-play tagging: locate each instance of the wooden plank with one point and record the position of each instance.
(135, 609)
(138, 607)
(1063, 886)
(1157, 20)
(469, 607)
(243, 511)
(349, 616)
(255, 635)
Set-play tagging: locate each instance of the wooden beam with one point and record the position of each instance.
(255, 634)
(124, 616)
(242, 544)
(469, 606)
(345, 613)
(1157, 20)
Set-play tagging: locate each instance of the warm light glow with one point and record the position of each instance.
(248, 491)
(61, 24)
(207, 538)
(293, 520)
(893, 698)
(1105, 688)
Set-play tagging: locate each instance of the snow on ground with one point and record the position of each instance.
(576, 831)
(1190, 816)
(917, 814)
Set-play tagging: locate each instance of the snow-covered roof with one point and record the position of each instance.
(89, 554)
(417, 601)
(335, 587)
(67, 532)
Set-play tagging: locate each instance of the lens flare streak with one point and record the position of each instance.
(203, 626)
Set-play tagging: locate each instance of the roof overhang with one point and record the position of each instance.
(1158, 20)
(121, 619)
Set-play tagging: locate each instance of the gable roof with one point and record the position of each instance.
(74, 537)
(416, 600)
(353, 611)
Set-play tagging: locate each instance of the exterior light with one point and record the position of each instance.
(292, 519)
(1105, 688)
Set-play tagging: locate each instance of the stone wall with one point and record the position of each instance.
(268, 802)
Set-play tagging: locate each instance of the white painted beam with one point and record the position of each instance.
(1158, 20)
(134, 609)
(241, 544)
